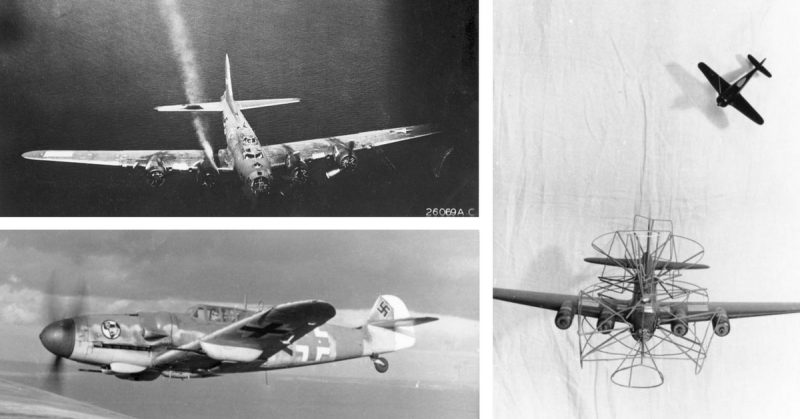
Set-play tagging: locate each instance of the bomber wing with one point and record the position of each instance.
(258, 336)
(742, 106)
(545, 300)
(718, 83)
(172, 160)
(320, 148)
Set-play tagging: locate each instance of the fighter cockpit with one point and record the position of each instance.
(208, 313)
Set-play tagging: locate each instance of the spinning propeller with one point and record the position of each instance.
(59, 317)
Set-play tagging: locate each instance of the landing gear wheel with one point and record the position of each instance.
(381, 364)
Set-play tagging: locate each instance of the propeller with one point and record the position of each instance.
(346, 162)
(57, 310)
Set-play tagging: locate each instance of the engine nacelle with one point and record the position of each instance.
(344, 156)
(155, 172)
(722, 326)
(605, 322)
(565, 315)
(346, 161)
(206, 178)
(679, 327)
(298, 172)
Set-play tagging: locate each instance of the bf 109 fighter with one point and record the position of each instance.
(211, 340)
(731, 94)
(258, 166)
(640, 310)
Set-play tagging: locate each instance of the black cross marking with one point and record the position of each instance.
(271, 328)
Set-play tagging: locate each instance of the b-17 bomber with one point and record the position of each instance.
(263, 169)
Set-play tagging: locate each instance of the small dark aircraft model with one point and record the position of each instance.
(210, 340)
(260, 167)
(731, 94)
(640, 310)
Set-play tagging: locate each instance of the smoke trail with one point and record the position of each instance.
(182, 47)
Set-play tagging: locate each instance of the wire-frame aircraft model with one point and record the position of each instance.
(263, 169)
(640, 311)
(730, 94)
(211, 340)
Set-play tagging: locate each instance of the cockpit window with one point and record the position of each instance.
(259, 155)
(200, 314)
(215, 314)
(249, 155)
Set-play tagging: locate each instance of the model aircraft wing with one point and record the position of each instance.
(744, 107)
(258, 336)
(545, 300)
(172, 160)
(718, 83)
(320, 148)
(700, 312)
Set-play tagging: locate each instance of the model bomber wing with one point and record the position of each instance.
(321, 148)
(701, 312)
(744, 107)
(545, 300)
(172, 160)
(258, 336)
(718, 83)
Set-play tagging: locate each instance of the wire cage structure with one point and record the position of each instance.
(642, 302)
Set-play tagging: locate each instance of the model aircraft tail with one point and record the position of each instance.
(759, 65)
(226, 97)
(389, 327)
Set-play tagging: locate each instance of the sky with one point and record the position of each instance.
(434, 272)
(601, 114)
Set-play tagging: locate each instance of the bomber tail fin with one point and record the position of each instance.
(390, 327)
(236, 105)
(759, 65)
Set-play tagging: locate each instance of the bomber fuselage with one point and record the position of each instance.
(244, 151)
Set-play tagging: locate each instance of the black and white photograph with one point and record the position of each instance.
(645, 209)
(320, 108)
(188, 324)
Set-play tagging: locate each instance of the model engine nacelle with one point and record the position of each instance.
(679, 327)
(605, 322)
(722, 326)
(155, 172)
(565, 315)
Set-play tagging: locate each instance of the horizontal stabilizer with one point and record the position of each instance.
(759, 65)
(635, 264)
(408, 321)
(217, 106)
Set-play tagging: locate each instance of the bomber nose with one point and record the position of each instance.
(59, 337)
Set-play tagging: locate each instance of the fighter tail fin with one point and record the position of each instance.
(759, 65)
(390, 326)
